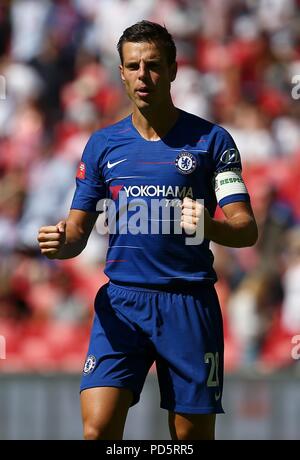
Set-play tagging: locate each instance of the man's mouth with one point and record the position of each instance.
(143, 92)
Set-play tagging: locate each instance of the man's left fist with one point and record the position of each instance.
(192, 212)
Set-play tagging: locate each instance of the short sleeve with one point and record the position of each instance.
(228, 182)
(90, 186)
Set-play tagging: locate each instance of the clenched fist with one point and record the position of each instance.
(51, 239)
(191, 214)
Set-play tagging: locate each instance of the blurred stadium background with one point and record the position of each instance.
(59, 82)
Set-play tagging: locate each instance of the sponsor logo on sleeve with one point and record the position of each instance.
(81, 170)
(230, 156)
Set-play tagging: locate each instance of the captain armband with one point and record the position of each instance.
(229, 182)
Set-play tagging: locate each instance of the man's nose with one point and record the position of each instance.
(142, 71)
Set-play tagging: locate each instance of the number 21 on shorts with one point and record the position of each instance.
(213, 376)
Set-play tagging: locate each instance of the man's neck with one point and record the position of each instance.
(154, 126)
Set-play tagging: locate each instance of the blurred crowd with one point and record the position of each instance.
(59, 83)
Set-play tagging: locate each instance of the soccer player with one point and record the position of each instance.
(160, 304)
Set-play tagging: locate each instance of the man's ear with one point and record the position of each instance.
(121, 69)
(173, 71)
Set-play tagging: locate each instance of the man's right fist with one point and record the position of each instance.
(51, 239)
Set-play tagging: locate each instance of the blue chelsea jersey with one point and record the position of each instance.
(193, 159)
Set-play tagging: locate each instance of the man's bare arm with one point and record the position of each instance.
(68, 238)
(238, 230)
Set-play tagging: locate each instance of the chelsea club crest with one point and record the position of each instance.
(89, 365)
(185, 162)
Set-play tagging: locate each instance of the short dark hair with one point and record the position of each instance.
(147, 31)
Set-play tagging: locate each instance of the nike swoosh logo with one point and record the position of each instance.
(217, 396)
(111, 165)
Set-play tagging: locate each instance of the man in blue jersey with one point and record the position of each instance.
(160, 304)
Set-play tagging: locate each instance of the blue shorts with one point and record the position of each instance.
(183, 333)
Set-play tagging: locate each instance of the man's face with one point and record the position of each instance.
(146, 74)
